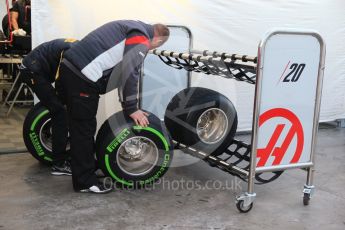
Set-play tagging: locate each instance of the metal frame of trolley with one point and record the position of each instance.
(251, 70)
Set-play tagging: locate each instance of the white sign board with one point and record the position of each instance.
(287, 97)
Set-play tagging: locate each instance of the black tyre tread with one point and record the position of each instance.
(239, 206)
(306, 199)
(206, 95)
(197, 96)
(198, 92)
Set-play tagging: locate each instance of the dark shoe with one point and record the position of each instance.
(98, 189)
(63, 169)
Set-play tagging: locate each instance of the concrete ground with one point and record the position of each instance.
(32, 199)
(11, 128)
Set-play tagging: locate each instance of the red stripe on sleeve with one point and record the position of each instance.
(138, 40)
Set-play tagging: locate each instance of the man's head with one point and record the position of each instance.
(161, 35)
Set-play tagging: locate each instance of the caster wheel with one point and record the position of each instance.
(306, 199)
(241, 207)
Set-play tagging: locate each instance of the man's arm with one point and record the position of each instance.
(14, 20)
(15, 16)
(136, 48)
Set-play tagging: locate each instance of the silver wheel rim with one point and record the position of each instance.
(212, 126)
(46, 136)
(137, 156)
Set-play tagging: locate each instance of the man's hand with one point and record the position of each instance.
(140, 118)
(19, 32)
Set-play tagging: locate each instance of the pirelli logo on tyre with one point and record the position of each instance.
(35, 141)
(118, 140)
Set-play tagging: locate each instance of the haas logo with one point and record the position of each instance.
(278, 152)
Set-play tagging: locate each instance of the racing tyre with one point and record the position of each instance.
(203, 119)
(37, 134)
(132, 155)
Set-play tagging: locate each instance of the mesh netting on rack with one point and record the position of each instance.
(235, 161)
(239, 67)
(238, 153)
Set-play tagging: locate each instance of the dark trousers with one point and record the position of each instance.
(82, 104)
(49, 98)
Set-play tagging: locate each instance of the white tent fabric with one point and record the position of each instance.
(3, 10)
(220, 25)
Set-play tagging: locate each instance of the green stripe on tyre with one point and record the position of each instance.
(48, 159)
(33, 125)
(34, 141)
(166, 157)
(152, 130)
(112, 174)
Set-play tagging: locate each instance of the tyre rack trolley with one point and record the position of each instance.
(288, 74)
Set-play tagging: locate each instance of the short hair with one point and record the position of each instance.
(161, 30)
